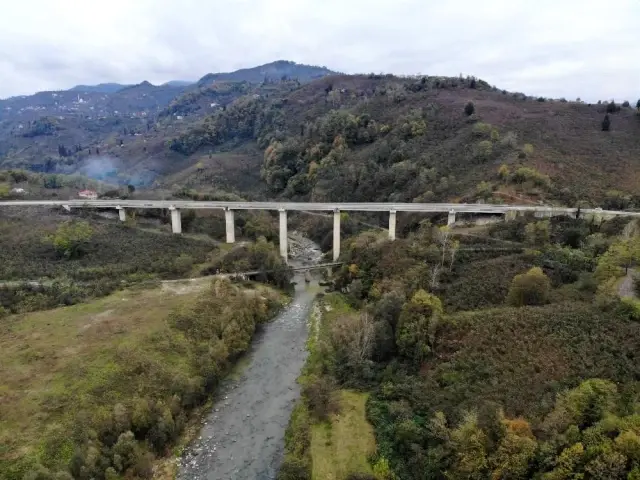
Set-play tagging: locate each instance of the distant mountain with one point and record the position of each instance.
(273, 71)
(100, 88)
(177, 83)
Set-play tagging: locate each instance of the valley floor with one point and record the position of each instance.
(72, 375)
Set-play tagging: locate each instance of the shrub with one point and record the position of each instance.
(612, 107)
(626, 104)
(630, 307)
(469, 108)
(527, 149)
(606, 123)
(531, 288)
(484, 149)
(320, 392)
(294, 468)
(526, 174)
(481, 129)
(510, 139)
(70, 238)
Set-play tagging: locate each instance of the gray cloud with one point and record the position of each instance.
(559, 48)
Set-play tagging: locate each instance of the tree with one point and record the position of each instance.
(612, 107)
(620, 255)
(70, 237)
(131, 188)
(469, 108)
(606, 123)
(626, 104)
(638, 105)
(468, 441)
(531, 288)
(416, 326)
(537, 233)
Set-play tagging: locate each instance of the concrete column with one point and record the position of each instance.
(392, 225)
(336, 235)
(284, 249)
(452, 217)
(122, 214)
(510, 215)
(176, 220)
(231, 226)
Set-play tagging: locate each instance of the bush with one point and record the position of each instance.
(612, 107)
(71, 237)
(630, 307)
(531, 288)
(320, 393)
(481, 129)
(469, 108)
(484, 149)
(294, 468)
(606, 123)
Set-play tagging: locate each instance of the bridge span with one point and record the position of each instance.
(175, 207)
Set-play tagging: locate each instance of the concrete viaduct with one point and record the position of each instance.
(175, 206)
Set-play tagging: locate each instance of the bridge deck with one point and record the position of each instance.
(312, 206)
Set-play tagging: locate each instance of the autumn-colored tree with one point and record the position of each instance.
(469, 445)
(617, 260)
(416, 326)
(531, 288)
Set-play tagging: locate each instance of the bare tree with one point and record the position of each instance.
(435, 276)
(355, 333)
(453, 249)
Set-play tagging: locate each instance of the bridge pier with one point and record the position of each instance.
(176, 220)
(230, 224)
(122, 213)
(284, 248)
(510, 215)
(336, 235)
(452, 217)
(392, 225)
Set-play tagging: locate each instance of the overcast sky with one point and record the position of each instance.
(558, 48)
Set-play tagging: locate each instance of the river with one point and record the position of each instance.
(243, 436)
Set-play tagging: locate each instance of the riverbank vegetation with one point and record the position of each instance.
(328, 436)
(482, 362)
(99, 390)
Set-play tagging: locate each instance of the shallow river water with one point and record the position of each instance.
(243, 436)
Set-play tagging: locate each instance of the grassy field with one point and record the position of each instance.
(342, 445)
(72, 375)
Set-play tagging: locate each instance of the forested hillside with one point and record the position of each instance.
(362, 138)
